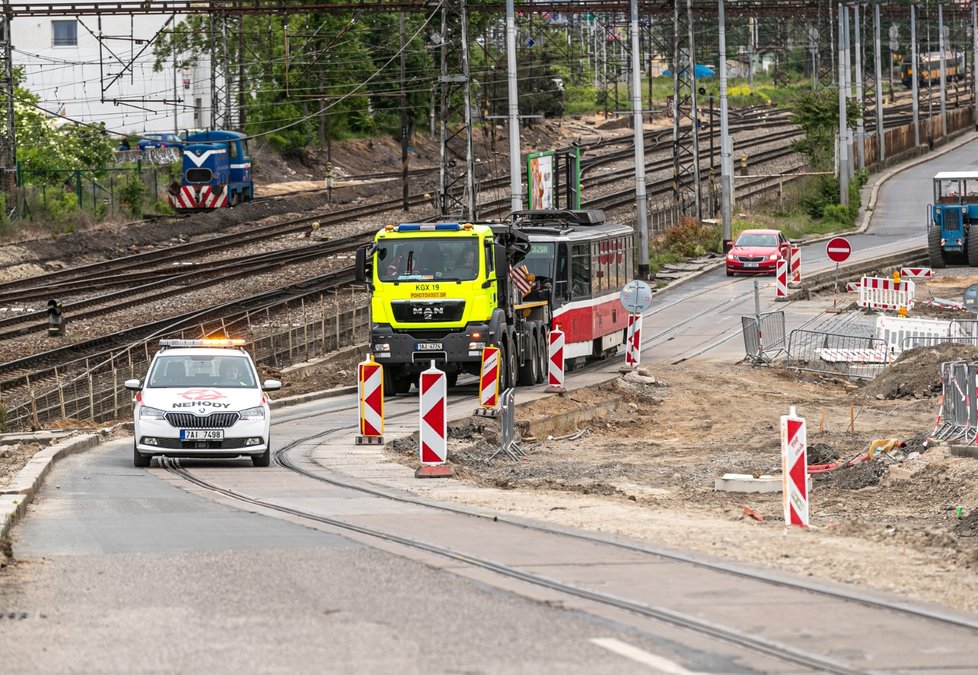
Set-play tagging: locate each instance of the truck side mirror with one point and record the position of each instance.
(363, 269)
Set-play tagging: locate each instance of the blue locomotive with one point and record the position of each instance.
(216, 172)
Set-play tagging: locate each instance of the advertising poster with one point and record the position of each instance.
(540, 172)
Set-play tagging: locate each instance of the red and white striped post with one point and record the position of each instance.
(489, 383)
(555, 371)
(795, 264)
(370, 390)
(633, 344)
(781, 280)
(794, 468)
(433, 429)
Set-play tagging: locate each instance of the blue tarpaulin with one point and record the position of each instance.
(700, 71)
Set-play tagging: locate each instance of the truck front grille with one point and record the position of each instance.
(427, 311)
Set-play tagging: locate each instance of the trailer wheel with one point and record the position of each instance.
(934, 250)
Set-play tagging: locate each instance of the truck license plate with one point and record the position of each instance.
(201, 434)
(428, 347)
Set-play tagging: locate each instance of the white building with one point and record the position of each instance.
(111, 80)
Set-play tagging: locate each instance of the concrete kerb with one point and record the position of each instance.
(15, 497)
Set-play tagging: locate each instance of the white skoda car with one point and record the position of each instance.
(201, 398)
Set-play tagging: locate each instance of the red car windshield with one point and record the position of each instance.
(763, 240)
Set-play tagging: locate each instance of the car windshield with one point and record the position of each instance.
(755, 239)
(201, 370)
(451, 259)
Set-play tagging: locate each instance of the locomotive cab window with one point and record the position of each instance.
(581, 271)
(199, 175)
(233, 150)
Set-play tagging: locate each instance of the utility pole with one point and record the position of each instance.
(405, 133)
(515, 159)
(880, 136)
(974, 56)
(843, 91)
(642, 220)
(941, 45)
(915, 76)
(8, 140)
(726, 143)
(860, 123)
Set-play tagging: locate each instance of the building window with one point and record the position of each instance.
(65, 33)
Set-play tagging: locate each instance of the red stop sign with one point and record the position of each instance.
(838, 249)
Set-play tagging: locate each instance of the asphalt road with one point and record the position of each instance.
(128, 570)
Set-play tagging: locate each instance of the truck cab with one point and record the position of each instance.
(441, 292)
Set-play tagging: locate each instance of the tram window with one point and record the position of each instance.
(560, 276)
(581, 271)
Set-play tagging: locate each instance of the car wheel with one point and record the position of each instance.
(264, 459)
(140, 460)
(729, 273)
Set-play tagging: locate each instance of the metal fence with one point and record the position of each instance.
(763, 342)
(850, 356)
(84, 390)
(59, 192)
(958, 417)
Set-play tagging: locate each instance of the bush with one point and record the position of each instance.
(690, 238)
(131, 195)
(837, 213)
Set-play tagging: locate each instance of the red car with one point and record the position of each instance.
(758, 252)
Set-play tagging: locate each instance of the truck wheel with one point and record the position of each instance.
(543, 354)
(395, 381)
(934, 250)
(973, 248)
(503, 366)
(451, 379)
(513, 378)
(528, 369)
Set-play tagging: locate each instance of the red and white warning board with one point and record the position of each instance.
(633, 353)
(434, 422)
(794, 468)
(916, 272)
(370, 382)
(555, 371)
(489, 378)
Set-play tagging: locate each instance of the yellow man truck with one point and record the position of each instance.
(442, 291)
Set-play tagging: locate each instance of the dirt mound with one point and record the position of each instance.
(916, 373)
(967, 526)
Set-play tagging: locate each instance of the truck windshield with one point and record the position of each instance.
(451, 259)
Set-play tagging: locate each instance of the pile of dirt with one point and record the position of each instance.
(916, 373)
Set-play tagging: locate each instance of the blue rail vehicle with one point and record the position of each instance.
(216, 172)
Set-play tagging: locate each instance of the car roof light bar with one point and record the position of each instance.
(206, 342)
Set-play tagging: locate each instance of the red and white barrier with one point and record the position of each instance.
(433, 428)
(794, 468)
(489, 383)
(853, 286)
(781, 280)
(795, 264)
(916, 272)
(370, 389)
(555, 371)
(884, 293)
(633, 343)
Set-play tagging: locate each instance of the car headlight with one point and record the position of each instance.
(252, 413)
(731, 256)
(147, 413)
(773, 256)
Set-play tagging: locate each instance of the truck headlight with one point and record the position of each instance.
(252, 414)
(382, 347)
(147, 413)
(476, 346)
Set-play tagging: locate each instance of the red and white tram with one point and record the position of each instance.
(589, 261)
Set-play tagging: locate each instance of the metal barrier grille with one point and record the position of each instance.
(846, 355)
(765, 344)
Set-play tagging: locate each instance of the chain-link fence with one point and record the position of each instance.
(84, 390)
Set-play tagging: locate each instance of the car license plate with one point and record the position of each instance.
(750, 264)
(428, 347)
(201, 434)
